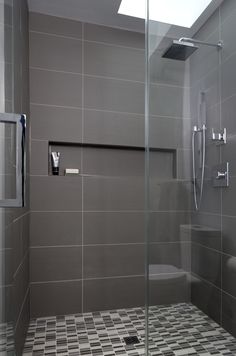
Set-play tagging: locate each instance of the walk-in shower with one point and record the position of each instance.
(117, 216)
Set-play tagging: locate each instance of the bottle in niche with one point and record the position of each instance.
(55, 163)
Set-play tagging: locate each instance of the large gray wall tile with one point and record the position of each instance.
(206, 297)
(113, 227)
(55, 88)
(114, 36)
(114, 95)
(39, 157)
(229, 274)
(112, 61)
(59, 298)
(206, 263)
(55, 263)
(113, 194)
(229, 313)
(55, 25)
(126, 293)
(54, 52)
(108, 128)
(56, 123)
(56, 193)
(117, 260)
(55, 229)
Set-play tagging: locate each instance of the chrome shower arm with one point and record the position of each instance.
(192, 40)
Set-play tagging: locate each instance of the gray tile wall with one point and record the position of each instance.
(213, 247)
(87, 231)
(14, 222)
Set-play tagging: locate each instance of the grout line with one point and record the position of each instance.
(22, 307)
(82, 166)
(97, 245)
(82, 39)
(94, 278)
(112, 111)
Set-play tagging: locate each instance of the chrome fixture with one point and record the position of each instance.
(201, 149)
(220, 175)
(182, 48)
(220, 138)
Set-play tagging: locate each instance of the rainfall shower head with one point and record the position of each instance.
(180, 50)
(183, 48)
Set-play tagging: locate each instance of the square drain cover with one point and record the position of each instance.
(130, 340)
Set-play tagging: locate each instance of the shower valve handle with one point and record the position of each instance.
(221, 175)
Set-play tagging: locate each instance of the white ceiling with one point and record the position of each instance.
(102, 12)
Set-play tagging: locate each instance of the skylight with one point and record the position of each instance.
(175, 12)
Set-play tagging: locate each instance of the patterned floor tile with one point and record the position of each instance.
(174, 330)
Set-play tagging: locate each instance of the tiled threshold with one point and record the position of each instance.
(177, 330)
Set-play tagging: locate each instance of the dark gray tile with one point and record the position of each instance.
(113, 227)
(228, 77)
(169, 257)
(169, 227)
(168, 289)
(228, 231)
(57, 53)
(162, 164)
(205, 59)
(59, 298)
(21, 285)
(55, 263)
(229, 313)
(114, 95)
(206, 264)
(113, 162)
(55, 25)
(206, 230)
(111, 61)
(21, 327)
(114, 36)
(166, 100)
(55, 228)
(58, 193)
(184, 163)
(56, 123)
(227, 31)
(229, 204)
(229, 274)
(55, 88)
(108, 128)
(211, 199)
(113, 293)
(169, 195)
(102, 194)
(169, 133)
(116, 260)
(206, 297)
(39, 157)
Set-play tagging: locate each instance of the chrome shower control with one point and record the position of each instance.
(220, 138)
(220, 175)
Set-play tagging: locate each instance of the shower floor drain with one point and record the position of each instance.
(130, 340)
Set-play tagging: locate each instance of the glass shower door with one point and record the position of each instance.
(183, 229)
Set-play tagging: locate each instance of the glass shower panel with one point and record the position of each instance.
(183, 86)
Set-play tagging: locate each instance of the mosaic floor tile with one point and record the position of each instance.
(175, 330)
